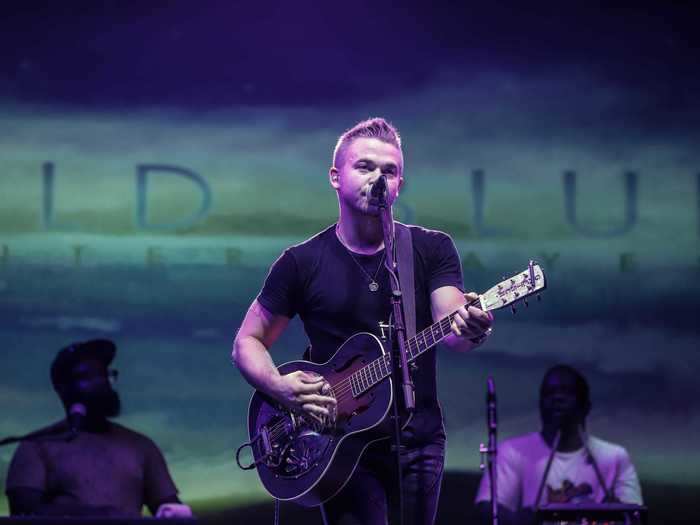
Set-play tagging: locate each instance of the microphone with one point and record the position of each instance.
(377, 194)
(491, 412)
(76, 417)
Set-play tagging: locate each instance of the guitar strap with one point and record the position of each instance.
(404, 258)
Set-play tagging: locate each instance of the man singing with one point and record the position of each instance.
(337, 283)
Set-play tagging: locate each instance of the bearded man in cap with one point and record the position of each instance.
(85, 464)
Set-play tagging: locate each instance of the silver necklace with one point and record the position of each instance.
(373, 284)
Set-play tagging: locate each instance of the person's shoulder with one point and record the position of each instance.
(428, 241)
(421, 233)
(131, 436)
(46, 433)
(522, 444)
(523, 440)
(607, 449)
(313, 243)
(36, 441)
(56, 427)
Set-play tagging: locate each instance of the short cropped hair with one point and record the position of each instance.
(374, 128)
(583, 393)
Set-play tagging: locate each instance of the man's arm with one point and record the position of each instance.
(160, 492)
(298, 390)
(469, 324)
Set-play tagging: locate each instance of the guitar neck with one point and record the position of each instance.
(509, 291)
(428, 338)
(379, 369)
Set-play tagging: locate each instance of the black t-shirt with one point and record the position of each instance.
(319, 280)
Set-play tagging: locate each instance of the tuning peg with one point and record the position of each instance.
(512, 309)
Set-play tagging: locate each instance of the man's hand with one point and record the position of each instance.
(471, 322)
(174, 510)
(303, 391)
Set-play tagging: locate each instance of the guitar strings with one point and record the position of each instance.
(345, 386)
(373, 369)
(343, 389)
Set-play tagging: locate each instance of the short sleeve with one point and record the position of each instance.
(27, 470)
(157, 483)
(508, 480)
(445, 265)
(627, 488)
(280, 293)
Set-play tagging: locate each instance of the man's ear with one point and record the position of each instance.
(333, 175)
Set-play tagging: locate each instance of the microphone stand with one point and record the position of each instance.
(583, 436)
(492, 422)
(74, 420)
(49, 434)
(555, 445)
(491, 451)
(399, 362)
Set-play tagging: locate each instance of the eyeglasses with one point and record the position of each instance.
(112, 375)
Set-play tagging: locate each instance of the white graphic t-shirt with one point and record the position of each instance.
(572, 478)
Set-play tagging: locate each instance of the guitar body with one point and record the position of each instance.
(302, 459)
(309, 462)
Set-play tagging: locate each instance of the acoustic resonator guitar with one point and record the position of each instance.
(307, 460)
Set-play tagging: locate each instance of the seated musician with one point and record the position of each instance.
(584, 469)
(85, 464)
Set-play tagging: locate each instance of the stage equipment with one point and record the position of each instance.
(592, 514)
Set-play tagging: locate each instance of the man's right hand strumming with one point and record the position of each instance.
(301, 392)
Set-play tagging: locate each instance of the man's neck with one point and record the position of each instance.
(569, 441)
(361, 233)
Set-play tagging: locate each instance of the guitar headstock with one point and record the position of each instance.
(517, 288)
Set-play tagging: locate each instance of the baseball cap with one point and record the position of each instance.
(101, 349)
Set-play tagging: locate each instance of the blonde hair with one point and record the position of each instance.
(374, 128)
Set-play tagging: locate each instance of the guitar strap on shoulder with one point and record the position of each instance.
(404, 258)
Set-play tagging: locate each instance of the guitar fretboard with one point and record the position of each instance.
(379, 369)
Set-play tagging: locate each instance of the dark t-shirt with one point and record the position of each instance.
(319, 281)
(118, 468)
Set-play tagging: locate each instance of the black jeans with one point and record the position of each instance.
(371, 496)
